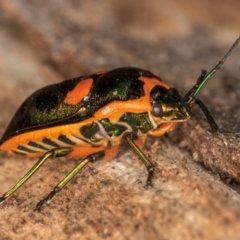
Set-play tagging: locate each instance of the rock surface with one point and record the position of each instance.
(195, 193)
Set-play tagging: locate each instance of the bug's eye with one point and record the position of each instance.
(157, 110)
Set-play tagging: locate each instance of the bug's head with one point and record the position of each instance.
(167, 104)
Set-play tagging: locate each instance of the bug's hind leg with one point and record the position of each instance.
(90, 158)
(57, 152)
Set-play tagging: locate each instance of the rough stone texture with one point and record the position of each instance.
(195, 193)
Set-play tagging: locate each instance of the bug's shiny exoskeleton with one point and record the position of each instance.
(88, 117)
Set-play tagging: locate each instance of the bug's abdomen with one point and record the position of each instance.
(85, 138)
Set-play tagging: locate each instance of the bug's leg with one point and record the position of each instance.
(91, 158)
(129, 138)
(57, 152)
(212, 123)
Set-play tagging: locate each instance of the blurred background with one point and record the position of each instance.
(43, 42)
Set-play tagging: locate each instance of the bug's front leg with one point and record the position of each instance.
(148, 164)
(214, 127)
(211, 121)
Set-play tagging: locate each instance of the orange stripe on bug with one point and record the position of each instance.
(79, 92)
(83, 152)
(162, 129)
(149, 83)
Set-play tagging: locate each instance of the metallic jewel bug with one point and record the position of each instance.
(88, 117)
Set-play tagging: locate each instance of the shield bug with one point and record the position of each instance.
(89, 116)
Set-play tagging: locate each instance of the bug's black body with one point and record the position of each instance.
(46, 107)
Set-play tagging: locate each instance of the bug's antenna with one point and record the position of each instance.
(188, 99)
